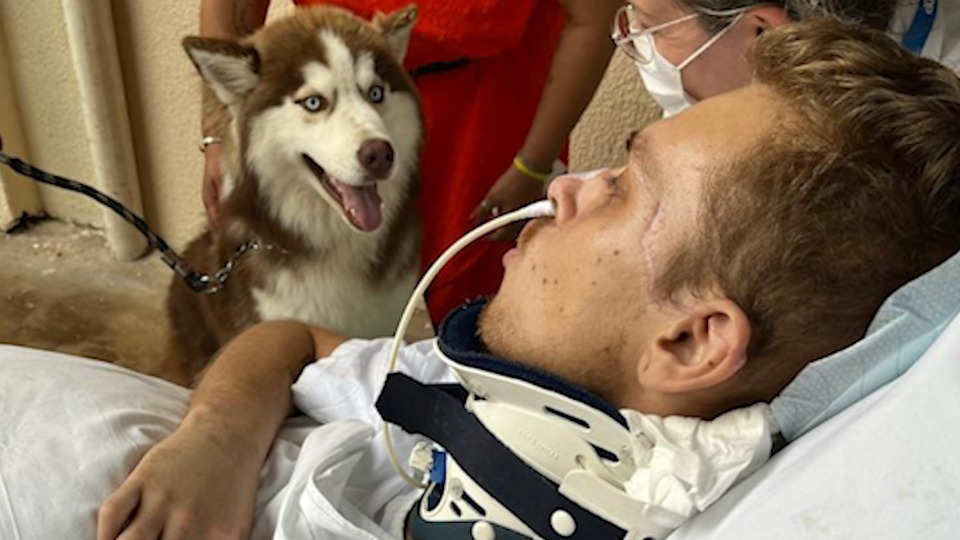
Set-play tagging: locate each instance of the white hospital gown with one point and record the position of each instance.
(343, 485)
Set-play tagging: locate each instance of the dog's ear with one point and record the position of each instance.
(229, 68)
(397, 27)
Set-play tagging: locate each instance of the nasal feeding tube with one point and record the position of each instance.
(543, 208)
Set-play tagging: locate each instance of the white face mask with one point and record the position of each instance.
(662, 79)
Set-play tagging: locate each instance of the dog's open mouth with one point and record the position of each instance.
(360, 204)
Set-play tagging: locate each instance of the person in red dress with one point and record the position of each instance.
(502, 82)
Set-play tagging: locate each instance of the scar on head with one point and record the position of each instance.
(650, 243)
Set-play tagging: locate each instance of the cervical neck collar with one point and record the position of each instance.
(525, 454)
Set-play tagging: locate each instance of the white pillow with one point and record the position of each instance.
(72, 429)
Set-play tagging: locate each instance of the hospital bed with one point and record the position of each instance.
(883, 468)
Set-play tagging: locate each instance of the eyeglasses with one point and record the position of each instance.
(635, 39)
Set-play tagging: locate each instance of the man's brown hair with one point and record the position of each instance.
(856, 194)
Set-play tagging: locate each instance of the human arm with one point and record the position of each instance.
(201, 480)
(223, 19)
(579, 62)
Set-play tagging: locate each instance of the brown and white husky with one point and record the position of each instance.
(321, 169)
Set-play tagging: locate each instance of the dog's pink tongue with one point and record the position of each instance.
(362, 205)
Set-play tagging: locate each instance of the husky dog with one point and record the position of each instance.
(321, 170)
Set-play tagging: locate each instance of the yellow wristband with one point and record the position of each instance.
(521, 166)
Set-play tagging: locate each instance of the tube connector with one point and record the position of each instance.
(537, 209)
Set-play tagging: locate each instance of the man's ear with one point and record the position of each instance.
(767, 17)
(698, 350)
(397, 27)
(230, 69)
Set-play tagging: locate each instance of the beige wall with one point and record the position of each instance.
(619, 107)
(162, 96)
(46, 91)
(17, 195)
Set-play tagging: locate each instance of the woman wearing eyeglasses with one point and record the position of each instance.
(689, 50)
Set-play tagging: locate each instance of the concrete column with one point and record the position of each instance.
(93, 47)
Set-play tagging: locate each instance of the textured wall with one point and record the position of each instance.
(46, 91)
(619, 107)
(163, 99)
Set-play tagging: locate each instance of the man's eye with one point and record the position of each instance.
(376, 93)
(613, 184)
(313, 104)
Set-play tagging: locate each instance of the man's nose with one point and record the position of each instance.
(563, 192)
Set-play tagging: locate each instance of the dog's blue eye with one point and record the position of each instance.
(313, 103)
(376, 94)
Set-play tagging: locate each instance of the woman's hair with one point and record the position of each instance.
(871, 13)
(856, 193)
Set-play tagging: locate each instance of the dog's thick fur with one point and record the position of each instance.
(320, 111)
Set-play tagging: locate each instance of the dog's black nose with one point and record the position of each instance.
(376, 157)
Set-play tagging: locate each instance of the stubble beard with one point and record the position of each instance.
(599, 372)
(494, 330)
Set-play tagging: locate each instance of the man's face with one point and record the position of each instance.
(721, 68)
(578, 297)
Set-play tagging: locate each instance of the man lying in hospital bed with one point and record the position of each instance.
(675, 297)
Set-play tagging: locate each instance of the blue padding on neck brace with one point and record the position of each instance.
(905, 326)
(459, 340)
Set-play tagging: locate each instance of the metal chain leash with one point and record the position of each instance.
(197, 281)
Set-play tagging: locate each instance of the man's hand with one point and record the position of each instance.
(212, 183)
(201, 481)
(511, 191)
(195, 484)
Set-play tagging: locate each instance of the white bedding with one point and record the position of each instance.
(71, 429)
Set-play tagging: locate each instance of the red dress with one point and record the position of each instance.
(477, 114)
